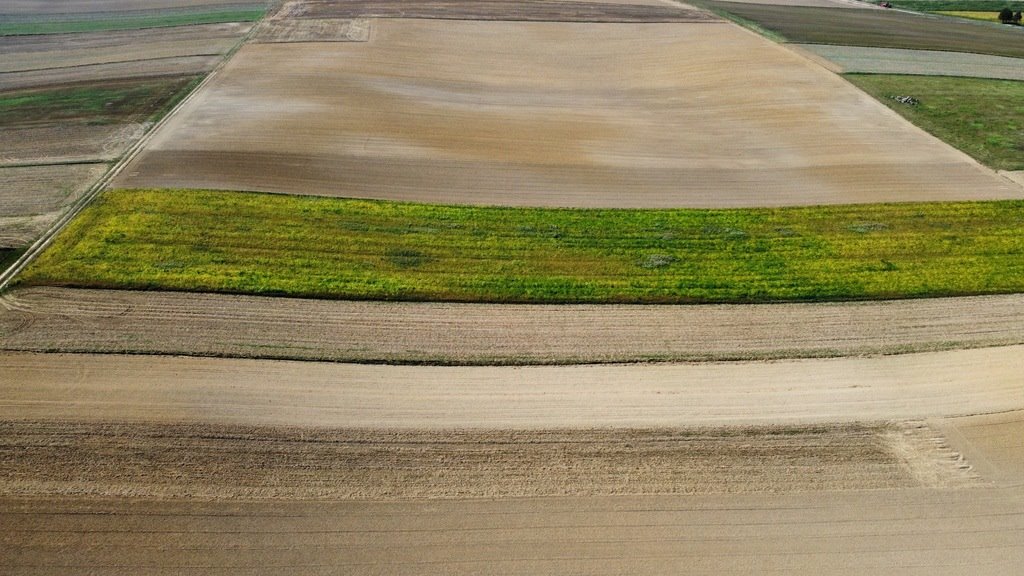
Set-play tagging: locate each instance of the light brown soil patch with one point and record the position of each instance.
(204, 461)
(278, 393)
(61, 319)
(993, 444)
(176, 66)
(66, 142)
(552, 114)
(32, 197)
(313, 30)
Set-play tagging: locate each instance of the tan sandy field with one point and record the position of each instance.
(32, 197)
(552, 114)
(78, 320)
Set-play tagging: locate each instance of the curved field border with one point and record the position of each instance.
(79, 320)
(867, 59)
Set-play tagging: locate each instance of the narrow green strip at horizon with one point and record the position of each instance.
(331, 248)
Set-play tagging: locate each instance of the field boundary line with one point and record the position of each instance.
(93, 192)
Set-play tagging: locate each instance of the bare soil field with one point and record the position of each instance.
(879, 28)
(63, 51)
(924, 62)
(32, 197)
(994, 444)
(551, 114)
(146, 389)
(80, 320)
(65, 458)
(142, 69)
(923, 532)
(87, 6)
(66, 143)
(815, 3)
(514, 10)
(313, 30)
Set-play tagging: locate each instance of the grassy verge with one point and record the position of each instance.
(128, 22)
(322, 247)
(982, 117)
(94, 103)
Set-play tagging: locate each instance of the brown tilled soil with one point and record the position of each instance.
(67, 51)
(516, 10)
(61, 458)
(62, 319)
(993, 443)
(65, 7)
(312, 30)
(552, 114)
(32, 197)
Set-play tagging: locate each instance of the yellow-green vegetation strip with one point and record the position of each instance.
(981, 116)
(972, 15)
(252, 243)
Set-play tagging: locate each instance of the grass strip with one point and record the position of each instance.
(100, 103)
(993, 6)
(251, 243)
(982, 117)
(128, 22)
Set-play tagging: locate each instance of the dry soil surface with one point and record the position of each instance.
(68, 458)
(921, 62)
(102, 388)
(910, 532)
(86, 6)
(552, 114)
(32, 197)
(79, 320)
(514, 10)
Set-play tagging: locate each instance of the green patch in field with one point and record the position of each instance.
(64, 24)
(982, 117)
(309, 247)
(972, 15)
(94, 103)
(8, 256)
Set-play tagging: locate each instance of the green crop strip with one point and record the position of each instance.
(982, 117)
(95, 103)
(128, 22)
(321, 247)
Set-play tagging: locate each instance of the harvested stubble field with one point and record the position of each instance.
(77, 320)
(879, 28)
(551, 114)
(982, 117)
(356, 249)
(125, 19)
(31, 197)
(64, 458)
(866, 59)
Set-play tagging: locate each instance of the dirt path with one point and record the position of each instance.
(72, 320)
(279, 393)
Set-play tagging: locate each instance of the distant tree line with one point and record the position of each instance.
(1007, 16)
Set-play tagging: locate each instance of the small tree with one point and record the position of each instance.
(1016, 17)
(1006, 15)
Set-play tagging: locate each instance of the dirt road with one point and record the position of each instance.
(101, 388)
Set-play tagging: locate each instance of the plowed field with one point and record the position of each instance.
(551, 114)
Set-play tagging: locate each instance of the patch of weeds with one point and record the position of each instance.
(724, 232)
(652, 261)
(867, 227)
(406, 258)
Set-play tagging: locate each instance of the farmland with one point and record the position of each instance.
(879, 28)
(866, 59)
(595, 116)
(496, 287)
(984, 118)
(204, 240)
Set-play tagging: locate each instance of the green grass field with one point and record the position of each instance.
(95, 103)
(323, 247)
(982, 117)
(129, 21)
